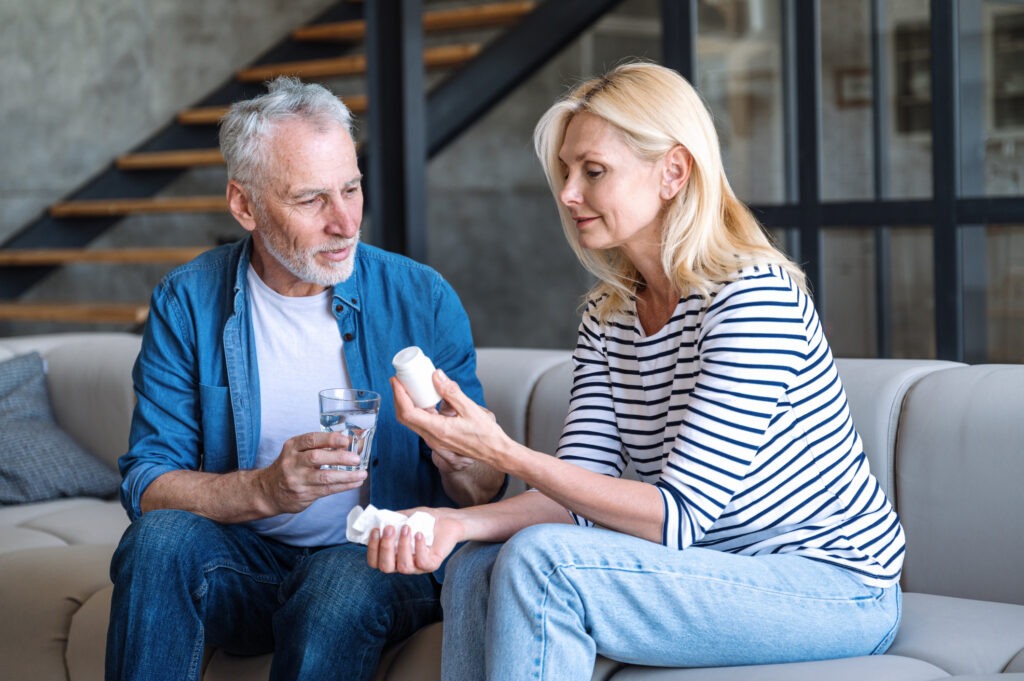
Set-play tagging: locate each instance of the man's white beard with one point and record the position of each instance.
(303, 263)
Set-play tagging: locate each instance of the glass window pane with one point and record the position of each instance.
(1005, 299)
(856, 165)
(991, 63)
(912, 292)
(739, 73)
(849, 281)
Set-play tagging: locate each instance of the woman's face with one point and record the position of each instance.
(613, 195)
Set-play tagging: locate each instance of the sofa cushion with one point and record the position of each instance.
(958, 635)
(61, 522)
(41, 590)
(959, 463)
(874, 667)
(38, 460)
(87, 637)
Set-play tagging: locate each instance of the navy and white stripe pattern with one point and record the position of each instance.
(735, 411)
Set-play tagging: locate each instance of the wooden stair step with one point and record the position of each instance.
(354, 65)
(30, 257)
(460, 18)
(104, 313)
(178, 158)
(211, 115)
(94, 208)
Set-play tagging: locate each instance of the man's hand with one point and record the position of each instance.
(295, 479)
(450, 462)
(391, 551)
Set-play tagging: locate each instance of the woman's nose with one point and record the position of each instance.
(570, 195)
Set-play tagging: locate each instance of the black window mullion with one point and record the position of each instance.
(945, 175)
(880, 159)
(679, 37)
(397, 121)
(807, 32)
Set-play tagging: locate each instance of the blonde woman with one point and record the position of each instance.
(755, 533)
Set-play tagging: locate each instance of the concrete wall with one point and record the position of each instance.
(85, 81)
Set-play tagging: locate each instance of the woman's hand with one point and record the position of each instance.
(391, 551)
(471, 431)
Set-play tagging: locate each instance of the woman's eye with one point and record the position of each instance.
(594, 173)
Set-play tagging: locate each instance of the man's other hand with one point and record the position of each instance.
(295, 479)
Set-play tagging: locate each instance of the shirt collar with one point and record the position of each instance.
(347, 292)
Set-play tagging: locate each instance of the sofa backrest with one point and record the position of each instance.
(88, 376)
(875, 390)
(959, 471)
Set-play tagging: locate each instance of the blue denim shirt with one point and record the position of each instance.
(197, 381)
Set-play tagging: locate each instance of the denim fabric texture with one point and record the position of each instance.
(198, 384)
(545, 603)
(324, 612)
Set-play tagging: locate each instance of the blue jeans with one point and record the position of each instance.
(545, 603)
(183, 582)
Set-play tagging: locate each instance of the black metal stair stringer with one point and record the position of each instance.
(460, 100)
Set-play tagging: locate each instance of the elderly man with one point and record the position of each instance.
(238, 535)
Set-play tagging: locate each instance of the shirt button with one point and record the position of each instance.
(349, 336)
(376, 462)
(337, 308)
(353, 301)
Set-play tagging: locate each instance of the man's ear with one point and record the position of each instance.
(676, 172)
(241, 206)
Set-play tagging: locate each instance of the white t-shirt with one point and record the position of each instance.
(299, 352)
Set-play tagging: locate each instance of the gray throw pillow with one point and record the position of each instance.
(38, 460)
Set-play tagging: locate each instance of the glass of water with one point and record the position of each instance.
(354, 413)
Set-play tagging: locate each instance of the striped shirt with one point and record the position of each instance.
(735, 411)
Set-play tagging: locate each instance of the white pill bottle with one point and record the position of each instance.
(416, 372)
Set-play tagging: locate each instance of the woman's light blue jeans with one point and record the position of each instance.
(545, 603)
(183, 582)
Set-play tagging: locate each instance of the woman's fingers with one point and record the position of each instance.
(404, 560)
(386, 550)
(452, 394)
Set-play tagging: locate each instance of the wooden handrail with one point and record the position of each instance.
(460, 18)
(354, 65)
(211, 115)
(105, 313)
(178, 158)
(33, 257)
(94, 208)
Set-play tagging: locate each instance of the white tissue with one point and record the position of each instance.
(362, 521)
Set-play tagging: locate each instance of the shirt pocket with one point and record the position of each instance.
(217, 427)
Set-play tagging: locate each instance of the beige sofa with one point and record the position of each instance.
(945, 440)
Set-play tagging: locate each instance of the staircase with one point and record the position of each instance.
(329, 51)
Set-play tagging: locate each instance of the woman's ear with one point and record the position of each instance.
(676, 172)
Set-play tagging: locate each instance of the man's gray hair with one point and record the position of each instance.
(245, 126)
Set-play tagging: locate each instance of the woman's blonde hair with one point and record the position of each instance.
(708, 233)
